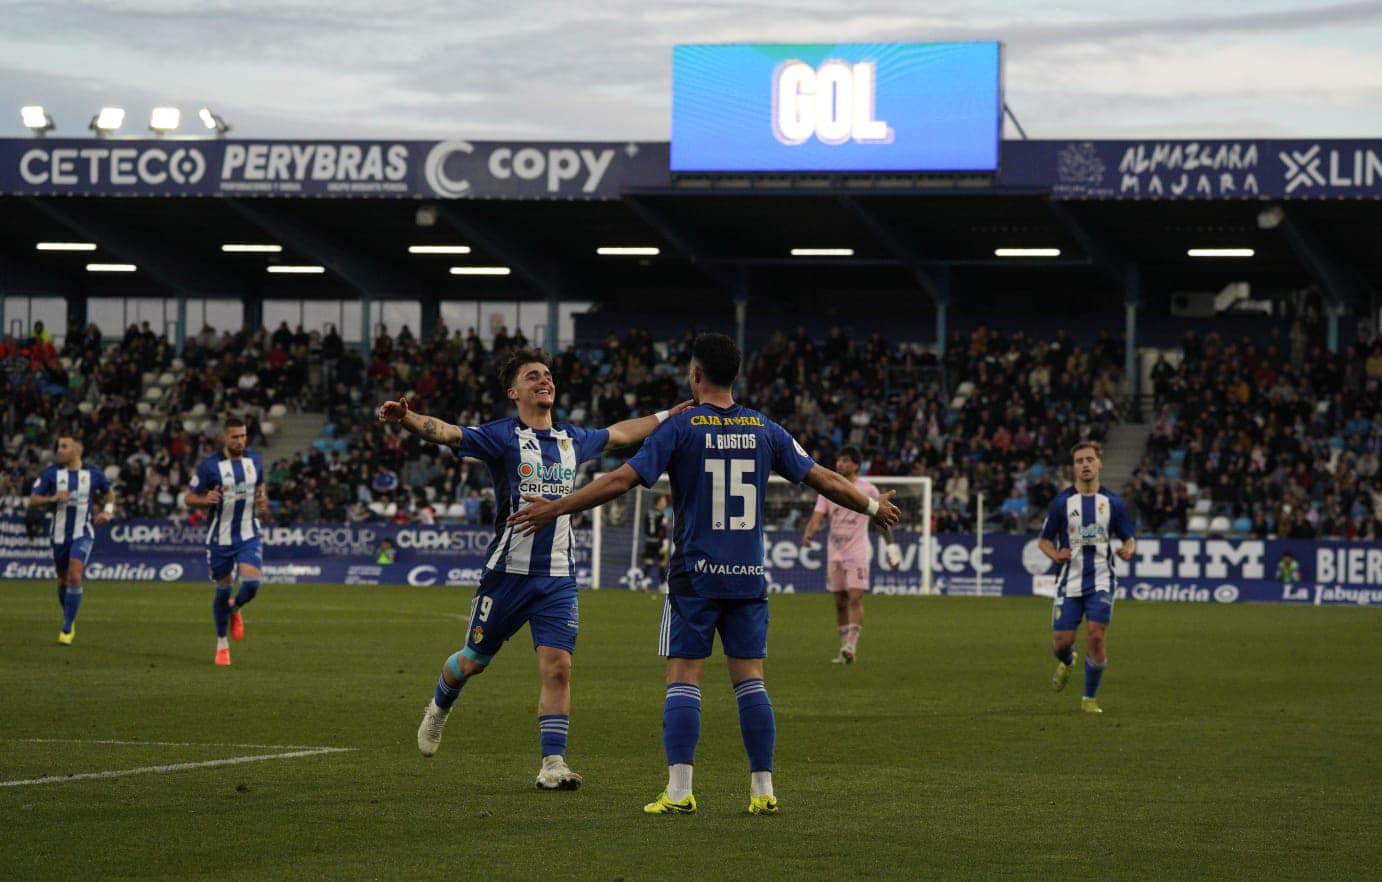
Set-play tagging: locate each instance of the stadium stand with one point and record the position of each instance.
(1241, 444)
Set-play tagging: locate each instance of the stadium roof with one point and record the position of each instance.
(912, 241)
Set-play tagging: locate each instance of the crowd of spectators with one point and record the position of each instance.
(1292, 449)
(1280, 438)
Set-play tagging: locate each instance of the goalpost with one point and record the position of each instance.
(623, 557)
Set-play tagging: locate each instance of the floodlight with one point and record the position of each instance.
(213, 121)
(36, 119)
(107, 121)
(164, 119)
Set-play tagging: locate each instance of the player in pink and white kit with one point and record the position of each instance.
(847, 555)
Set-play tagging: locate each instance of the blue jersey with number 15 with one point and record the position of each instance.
(718, 461)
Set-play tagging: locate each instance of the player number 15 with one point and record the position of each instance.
(739, 469)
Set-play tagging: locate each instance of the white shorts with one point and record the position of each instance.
(847, 575)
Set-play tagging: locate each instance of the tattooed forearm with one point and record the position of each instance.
(430, 430)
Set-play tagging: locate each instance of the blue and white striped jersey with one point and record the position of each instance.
(85, 487)
(233, 520)
(1085, 524)
(536, 462)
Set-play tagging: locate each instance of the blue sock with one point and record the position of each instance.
(220, 609)
(554, 728)
(1065, 657)
(447, 694)
(71, 602)
(681, 722)
(756, 723)
(248, 589)
(1093, 673)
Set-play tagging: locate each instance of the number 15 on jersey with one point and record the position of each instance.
(739, 486)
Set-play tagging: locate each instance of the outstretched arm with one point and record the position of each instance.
(811, 527)
(833, 486)
(425, 427)
(539, 512)
(627, 432)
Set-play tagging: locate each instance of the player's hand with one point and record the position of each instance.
(1125, 550)
(1063, 555)
(538, 513)
(213, 496)
(60, 497)
(894, 556)
(806, 542)
(102, 518)
(393, 411)
(888, 514)
(682, 407)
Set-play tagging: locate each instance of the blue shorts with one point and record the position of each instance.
(1066, 615)
(689, 624)
(505, 602)
(223, 558)
(66, 552)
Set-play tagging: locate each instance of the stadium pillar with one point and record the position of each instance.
(553, 320)
(741, 312)
(1332, 311)
(1132, 294)
(431, 315)
(942, 306)
(181, 323)
(366, 339)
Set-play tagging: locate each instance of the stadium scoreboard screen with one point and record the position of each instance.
(849, 107)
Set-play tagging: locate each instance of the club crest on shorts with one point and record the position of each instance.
(477, 636)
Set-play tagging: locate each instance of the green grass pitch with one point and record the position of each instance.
(1237, 743)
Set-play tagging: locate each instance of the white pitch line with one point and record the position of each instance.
(164, 743)
(175, 767)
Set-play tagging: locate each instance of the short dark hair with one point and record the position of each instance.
(509, 372)
(852, 453)
(1088, 445)
(719, 357)
(233, 422)
(73, 435)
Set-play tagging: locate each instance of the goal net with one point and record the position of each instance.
(632, 539)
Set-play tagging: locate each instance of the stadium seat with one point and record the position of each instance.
(1177, 456)
(1172, 471)
(144, 408)
(153, 393)
(631, 399)
(1220, 525)
(150, 378)
(340, 445)
(278, 412)
(577, 414)
(1242, 526)
(269, 429)
(199, 409)
(177, 365)
(152, 426)
(192, 426)
(167, 378)
(45, 456)
(1198, 524)
(322, 444)
(66, 363)
(455, 510)
(85, 407)
(112, 472)
(1203, 506)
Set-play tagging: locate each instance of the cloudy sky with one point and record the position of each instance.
(602, 71)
